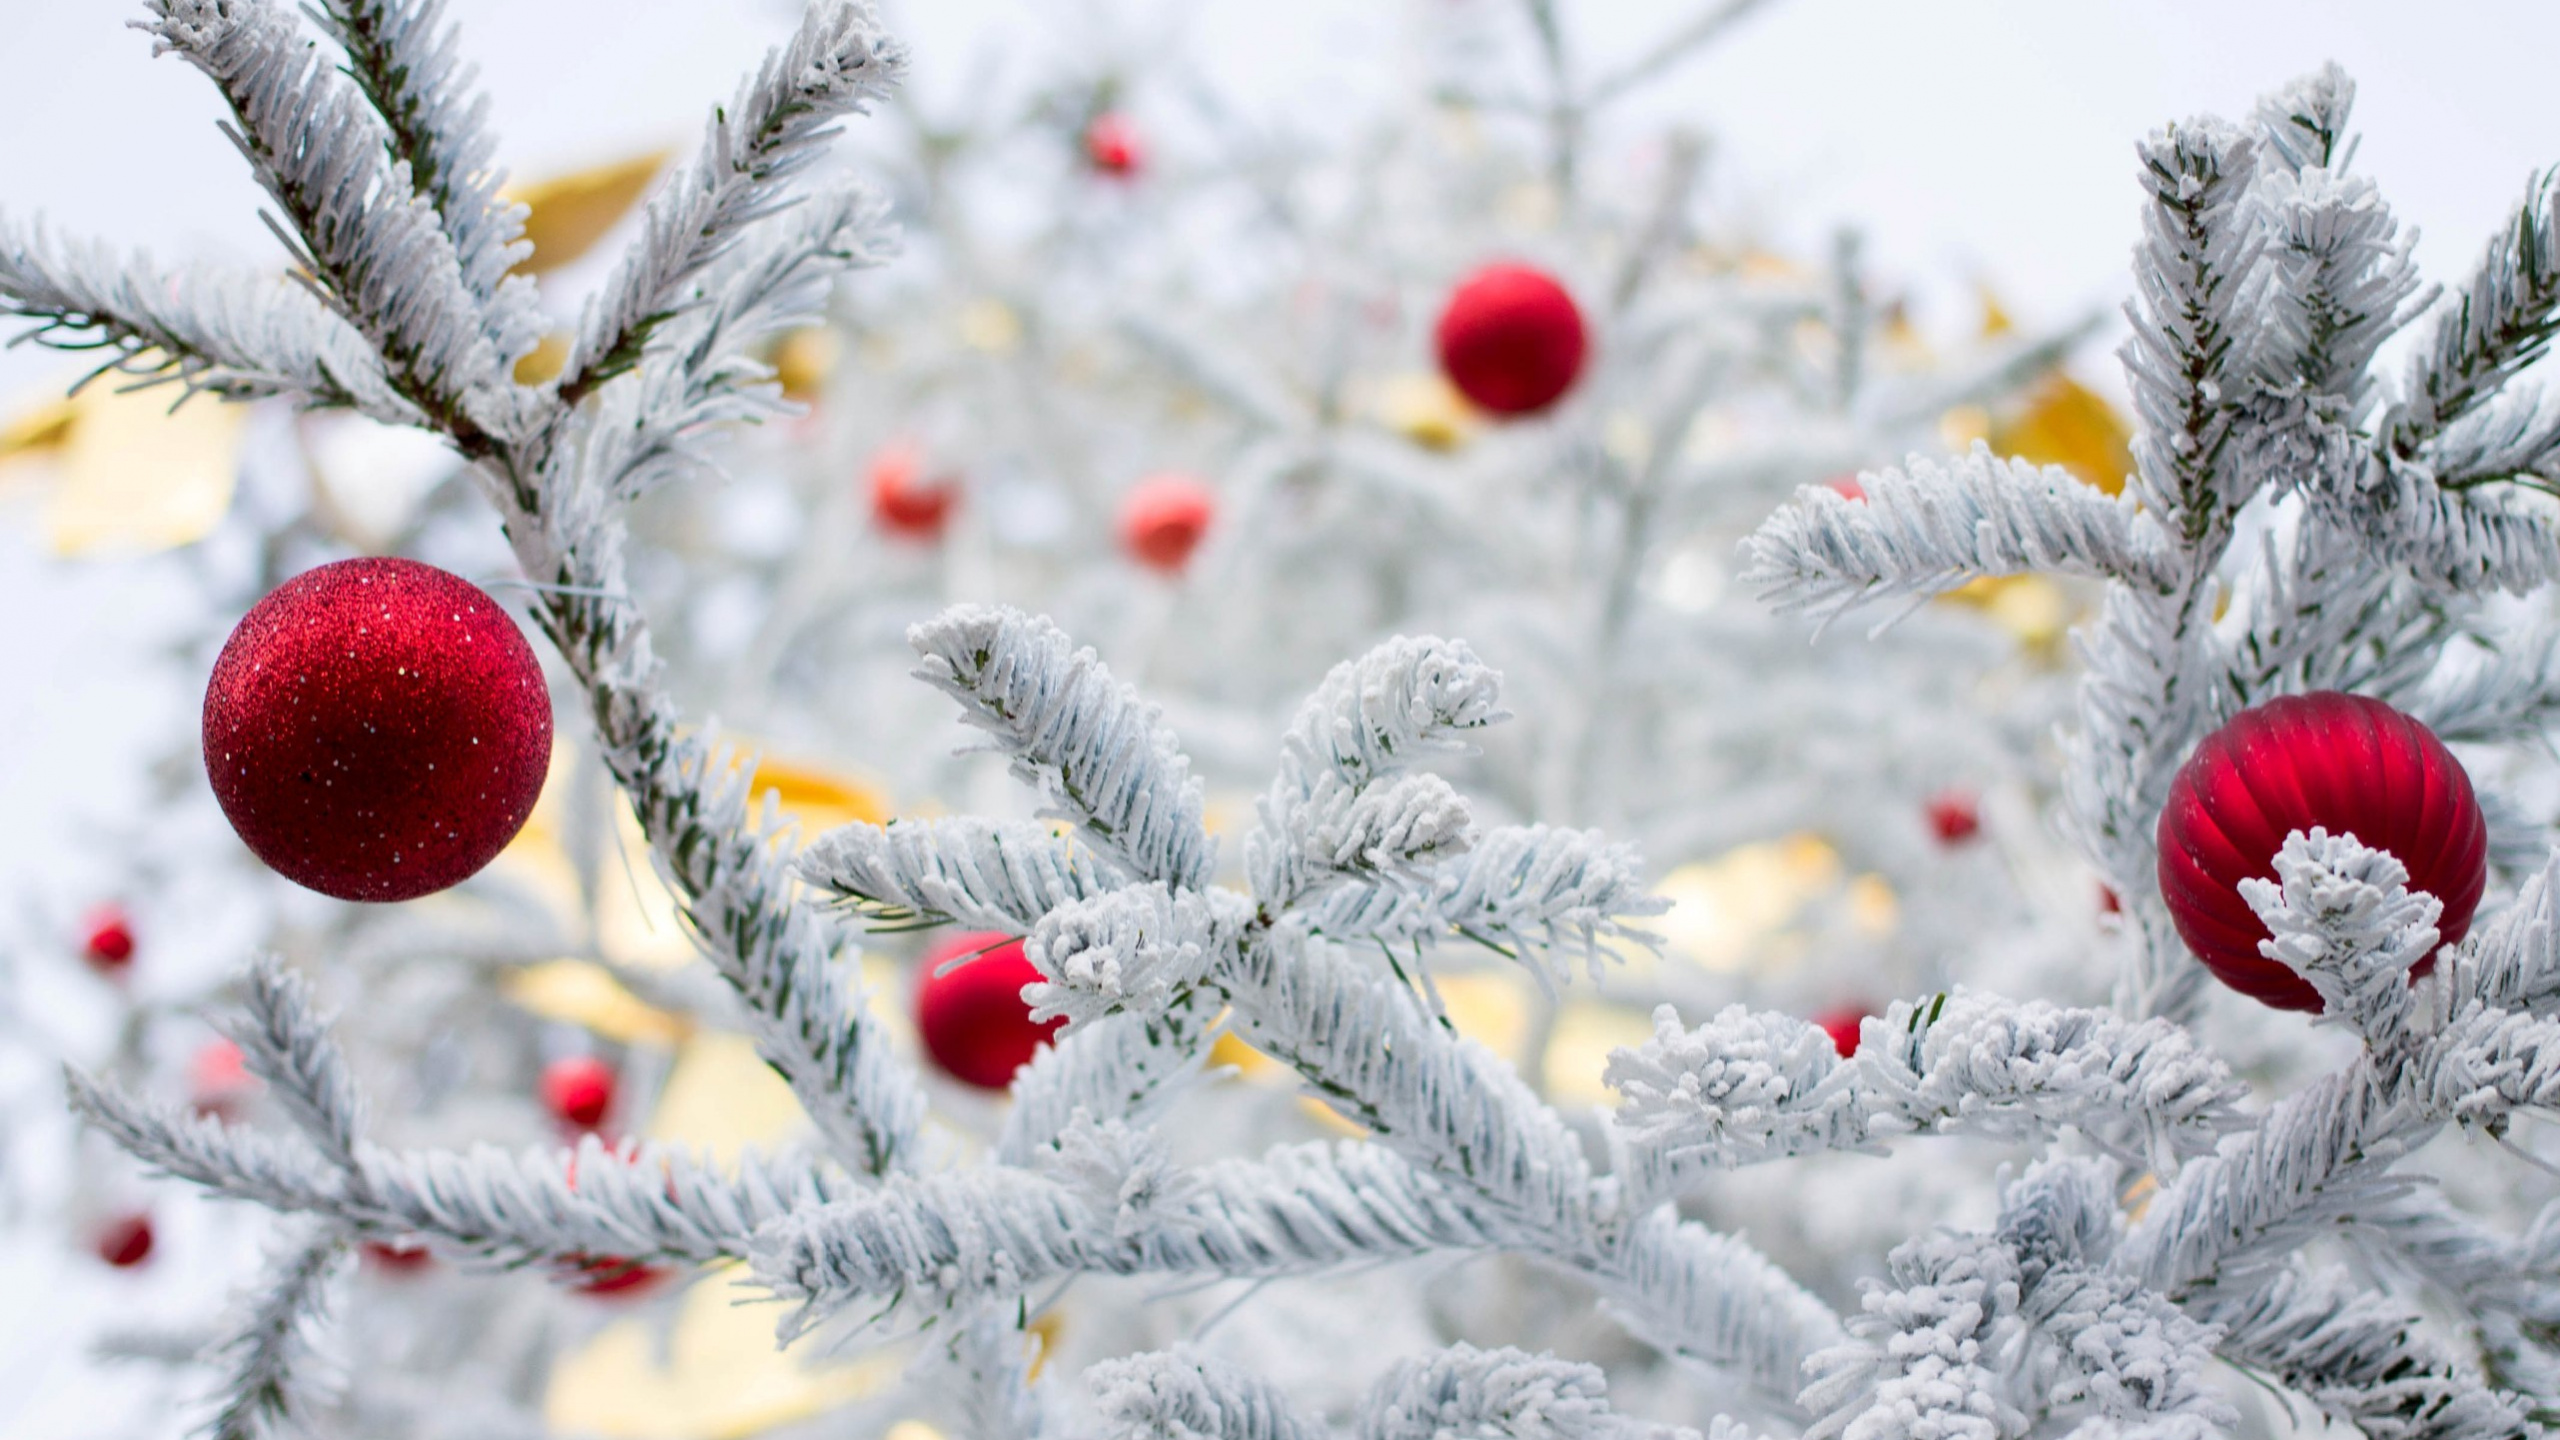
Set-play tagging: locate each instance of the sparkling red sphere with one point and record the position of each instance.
(578, 1090)
(2346, 763)
(1954, 817)
(377, 729)
(1112, 146)
(1511, 339)
(1163, 518)
(106, 941)
(125, 1242)
(903, 501)
(974, 1022)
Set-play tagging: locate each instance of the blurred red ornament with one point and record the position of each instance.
(578, 1090)
(1842, 1026)
(126, 1241)
(2109, 902)
(903, 501)
(2345, 763)
(974, 1021)
(1846, 487)
(1511, 339)
(218, 1080)
(612, 1276)
(376, 729)
(398, 1259)
(1954, 817)
(107, 940)
(1111, 145)
(1163, 518)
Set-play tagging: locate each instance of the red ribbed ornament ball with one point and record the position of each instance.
(1163, 519)
(974, 1022)
(1511, 339)
(377, 729)
(2346, 763)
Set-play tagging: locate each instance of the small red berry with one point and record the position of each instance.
(1163, 518)
(973, 1020)
(107, 941)
(126, 1241)
(578, 1090)
(1954, 817)
(903, 501)
(1842, 1026)
(1511, 339)
(1111, 145)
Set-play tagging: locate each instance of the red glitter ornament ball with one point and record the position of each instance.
(1511, 339)
(1842, 1026)
(1954, 817)
(1163, 518)
(107, 940)
(1111, 145)
(974, 1021)
(126, 1241)
(376, 729)
(578, 1090)
(905, 503)
(2345, 763)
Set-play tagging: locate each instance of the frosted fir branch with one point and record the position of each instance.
(2513, 437)
(230, 334)
(2336, 280)
(2191, 277)
(2460, 542)
(1709, 1297)
(2322, 616)
(1126, 1066)
(2488, 1274)
(2340, 913)
(1327, 816)
(987, 1359)
(995, 874)
(371, 245)
(1505, 1393)
(404, 57)
(2513, 962)
(1933, 525)
(2359, 1358)
(268, 1352)
(1523, 890)
(282, 1175)
(934, 1242)
(1088, 742)
(2303, 124)
(1928, 1340)
(1185, 1395)
(1746, 1088)
(1135, 950)
(2497, 325)
(285, 1044)
(834, 65)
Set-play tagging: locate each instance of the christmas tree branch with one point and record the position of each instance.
(991, 874)
(1521, 890)
(268, 1352)
(285, 1044)
(2497, 325)
(1509, 1393)
(1182, 1395)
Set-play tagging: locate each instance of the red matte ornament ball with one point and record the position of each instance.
(1511, 339)
(1111, 145)
(126, 1241)
(974, 1022)
(1163, 518)
(1954, 817)
(107, 941)
(578, 1090)
(376, 729)
(2345, 763)
(903, 502)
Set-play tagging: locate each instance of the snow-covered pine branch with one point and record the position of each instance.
(369, 243)
(285, 1044)
(1184, 1395)
(992, 874)
(834, 65)
(1524, 890)
(1085, 740)
(1504, 1393)
(1933, 525)
(2303, 124)
(267, 1354)
(1136, 950)
(2496, 326)
(2342, 915)
(235, 335)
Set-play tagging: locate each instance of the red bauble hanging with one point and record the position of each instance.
(1511, 339)
(973, 1020)
(1842, 1026)
(398, 1259)
(106, 941)
(1163, 518)
(2346, 763)
(218, 1080)
(376, 729)
(1112, 146)
(578, 1090)
(904, 502)
(125, 1242)
(1954, 817)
